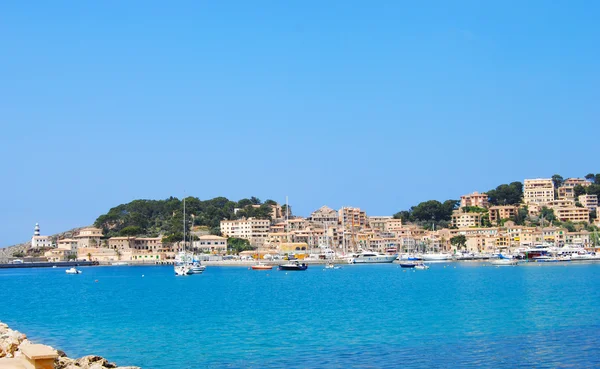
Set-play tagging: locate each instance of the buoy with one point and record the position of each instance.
(142, 276)
(96, 281)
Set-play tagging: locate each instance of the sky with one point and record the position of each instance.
(374, 104)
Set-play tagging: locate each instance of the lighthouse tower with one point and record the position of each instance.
(39, 241)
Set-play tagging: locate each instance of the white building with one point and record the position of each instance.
(539, 191)
(38, 241)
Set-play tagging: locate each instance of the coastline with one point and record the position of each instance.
(13, 354)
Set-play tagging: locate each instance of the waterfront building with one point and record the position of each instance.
(38, 241)
(324, 216)
(461, 219)
(497, 213)
(352, 217)
(121, 243)
(538, 191)
(474, 199)
(578, 238)
(57, 254)
(89, 237)
(254, 230)
(212, 244)
(589, 201)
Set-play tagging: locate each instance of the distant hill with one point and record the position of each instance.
(156, 217)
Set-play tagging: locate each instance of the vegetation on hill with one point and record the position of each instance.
(155, 217)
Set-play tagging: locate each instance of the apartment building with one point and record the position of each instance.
(67, 244)
(538, 191)
(393, 225)
(378, 222)
(572, 214)
(466, 220)
(498, 213)
(212, 244)
(589, 201)
(254, 230)
(353, 217)
(324, 216)
(567, 190)
(121, 243)
(474, 199)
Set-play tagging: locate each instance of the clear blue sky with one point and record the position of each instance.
(376, 104)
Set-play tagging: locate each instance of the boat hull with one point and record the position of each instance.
(262, 267)
(293, 267)
(373, 259)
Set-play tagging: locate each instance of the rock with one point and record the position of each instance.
(61, 353)
(64, 362)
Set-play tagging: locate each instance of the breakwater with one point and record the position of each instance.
(15, 353)
(47, 264)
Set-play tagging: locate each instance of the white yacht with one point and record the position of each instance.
(73, 270)
(436, 257)
(504, 262)
(368, 257)
(181, 270)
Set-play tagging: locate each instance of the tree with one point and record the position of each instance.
(255, 200)
(579, 190)
(459, 241)
(130, 231)
(237, 245)
(558, 180)
(569, 226)
(590, 177)
(404, 215)
(506, 194)
(547, 214)
(18, 254)
(594, 214)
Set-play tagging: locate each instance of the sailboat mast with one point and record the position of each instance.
(184, 223)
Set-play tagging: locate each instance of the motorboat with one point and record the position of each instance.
(181, 270)
(504, 262)
(293, 265)
(196, 268)
(421, 266)
(368, 257)
(119, 263)
(585, 256)
(73, 270)
(261, 266)
(464, 256)
(408, 264)
(437, 257)
(551, 259)
(410, 257)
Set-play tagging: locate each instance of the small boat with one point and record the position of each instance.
(504, 262)
(293, 265)
(331, 265)
(421, 266)
(73, 270)
(196, 268)
(261, 266)
(182, 270)
(409, 264)
(119, 263)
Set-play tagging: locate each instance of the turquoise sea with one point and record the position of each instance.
(364, 316)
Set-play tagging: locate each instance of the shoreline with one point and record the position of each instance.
(15, 347)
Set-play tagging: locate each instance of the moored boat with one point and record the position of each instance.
(261, 266)
(293, 265)
(436, 257)
(421, 266)
(73, 270)
(408, 264)
(367, 257)
(504, 262)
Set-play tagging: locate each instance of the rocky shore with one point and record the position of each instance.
(12, 343)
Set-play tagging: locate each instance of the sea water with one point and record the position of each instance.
(465, 315)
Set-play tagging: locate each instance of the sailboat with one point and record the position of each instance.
(292, 264)
(181, 266)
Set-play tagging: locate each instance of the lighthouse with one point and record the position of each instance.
(39, 241)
